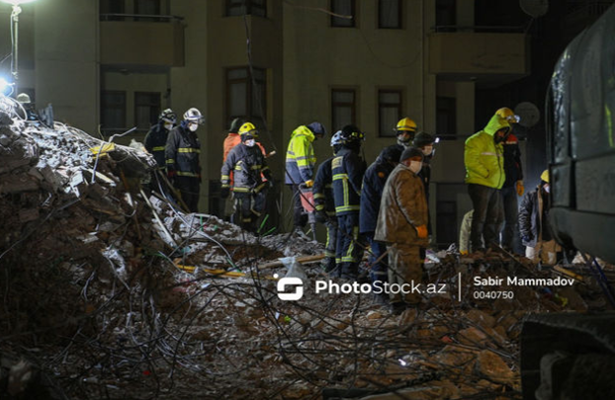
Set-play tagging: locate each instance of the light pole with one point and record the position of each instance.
(15, 39)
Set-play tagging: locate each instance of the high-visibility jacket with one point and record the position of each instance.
(155, 143)
(300, 158)
(182, 152)
(484, 160)
(248, 166)
(347, 169)
(323, 188)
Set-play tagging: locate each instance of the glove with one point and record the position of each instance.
(224, 192)
(421, 230)
(520, 188)
(463, 252)
(309, 183)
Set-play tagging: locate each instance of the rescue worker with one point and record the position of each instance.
(483, 158)
(325, 204)
(348, 169)
(156, 138)
(182, 153)
(534, 224)
(513, 184)
(247, 162)
(371, 194)
(405, 131)
(300, 161)
(402, 225)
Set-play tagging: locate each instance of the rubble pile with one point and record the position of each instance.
(111, 292)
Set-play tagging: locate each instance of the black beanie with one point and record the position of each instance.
(391, 153)
(423, 139)
(411, 152)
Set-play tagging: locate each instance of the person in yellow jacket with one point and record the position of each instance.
(300, 161)
(484, 162)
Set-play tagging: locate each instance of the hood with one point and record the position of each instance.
(495, 124)
(305, 131)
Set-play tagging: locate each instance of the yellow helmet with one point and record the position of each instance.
(545, 176)
(406, 124)
(248, 128)
(508, 114)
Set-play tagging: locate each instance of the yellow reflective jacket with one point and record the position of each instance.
(484, 160)
(300, 158)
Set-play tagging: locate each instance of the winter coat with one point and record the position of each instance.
(323, 188)
(182, 152)
(483, 158)
(403, 209)
(248, 165)
(232, 140)
(155, 143)
(530, 217)
(371, 193)
(512, 161)
(300, 158)
(348, 170)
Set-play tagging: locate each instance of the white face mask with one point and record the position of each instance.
(250, 142)
(427, 150)
(193, 127)
(415, 166)
(168, 126)
(547, 188)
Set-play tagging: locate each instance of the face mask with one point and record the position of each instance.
(547, 188)
(250, 142)
(193, 127)
(415, 166)
(427, 150)
(168, 126)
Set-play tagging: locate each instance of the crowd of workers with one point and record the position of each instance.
(381, 208)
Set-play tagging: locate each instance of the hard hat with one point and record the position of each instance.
(248, 129)
(423, 139)
(168, 116)
(23, 98)
(406, 124)
(351, 133)
(336, 139)
(193, 115)
(235, 125)
(508, 115)
(317, 128)
(545, 176)
(413, 153)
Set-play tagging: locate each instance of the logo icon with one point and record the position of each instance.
(295, 286)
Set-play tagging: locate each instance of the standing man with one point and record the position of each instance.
(405, 131)
(513, 185)
(534, 224)
(348, 168)
(371, 194)
(156, 140)
(182, 151)
(402, 224)
(484, 162)
(300, 161)
(247, 162)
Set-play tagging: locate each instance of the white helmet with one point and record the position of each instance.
(336, 139)
(23, 98)
(194, 115)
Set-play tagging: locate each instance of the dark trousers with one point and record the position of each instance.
(487, 204)
(379, 270)
(510, 231)
(348, 249)
(331, 244)
(299, 215)
(189, 188)
(248, 209)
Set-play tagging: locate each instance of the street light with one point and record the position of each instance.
(15, 36)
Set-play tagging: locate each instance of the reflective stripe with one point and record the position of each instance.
(319, 195)
(192, 174)
(158, 148)
(488, 153)
(225, 185)
(241, 189)
(188, 150)
(340, 176)
(347, 208)
(170, 161)
(224, 177)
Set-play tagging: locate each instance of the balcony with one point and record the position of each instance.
(141, 42)
(488, 58)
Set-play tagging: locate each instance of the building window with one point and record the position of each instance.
(147, 109)
(110, 10)
(343, 108)
(113, 110)
(147, 7)
(446, 117)
(246, 97)
(389, 14)
(389, 111)
(347, 11)
(446, 15)
(246, 7)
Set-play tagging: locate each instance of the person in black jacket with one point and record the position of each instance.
(156, 140)
(248, 164)
(348, 168)
(182, 152)
(371, 193)
(325, 204)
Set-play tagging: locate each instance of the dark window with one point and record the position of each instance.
(347, 11)
(112, 7)
(113, 110)
(343, 108)
(147, 7)
(446, 117)
(446, 15)
(246, 97)
(389, 14)
(389, 111)
(246, 7)
(147, 109)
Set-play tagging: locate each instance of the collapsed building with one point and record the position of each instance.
(111, 291)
